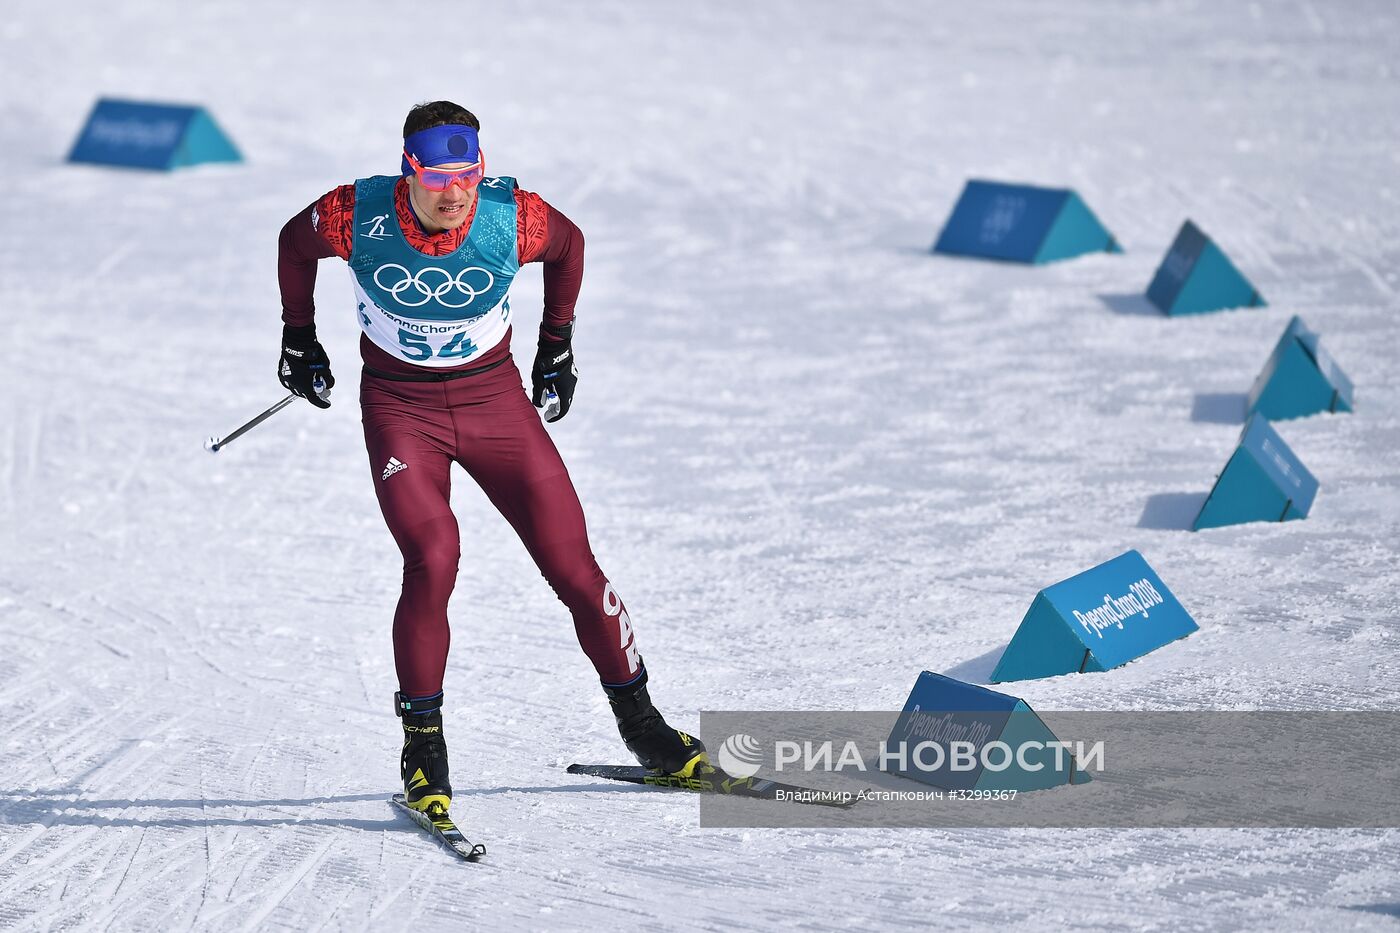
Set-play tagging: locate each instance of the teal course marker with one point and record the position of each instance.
(161, 137)
(1095, 621)
(1263, 481)
(1022, 223)
(1196, 277)
(1300, 378)
(953, 715)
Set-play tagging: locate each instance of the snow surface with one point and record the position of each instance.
(815, 459)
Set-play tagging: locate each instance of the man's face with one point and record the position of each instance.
(441, 210)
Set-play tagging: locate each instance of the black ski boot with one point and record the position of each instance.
(423, 765)
(657, 746)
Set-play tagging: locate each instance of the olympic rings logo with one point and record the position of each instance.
(432, 284)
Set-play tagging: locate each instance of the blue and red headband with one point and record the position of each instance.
(440, 145)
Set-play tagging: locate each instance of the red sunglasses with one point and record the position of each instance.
(436, 179)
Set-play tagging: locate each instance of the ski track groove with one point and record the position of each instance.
(34, 422)
(62, 854)
(394, 895)
(23, 846)
(9, 465)
(126, 872)
(136, 465)
(114, 901)
(208, 854)
(177, 899)
(281, 892)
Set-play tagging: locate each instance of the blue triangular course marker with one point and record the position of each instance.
(942, 710)
(1196, 277)
(1095, 621)
(205, 142)
(1300, 378)
(1263, 481)
(136, 134)
(1044, 646)
(1022, 223)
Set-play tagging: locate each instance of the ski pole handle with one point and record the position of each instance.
(551, 405)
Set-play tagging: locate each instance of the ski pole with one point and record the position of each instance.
(214, 444)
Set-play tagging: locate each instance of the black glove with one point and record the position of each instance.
(554, 368)
(304, 368)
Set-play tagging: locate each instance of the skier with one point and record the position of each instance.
(432, 252)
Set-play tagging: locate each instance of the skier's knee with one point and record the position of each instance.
(434, 563)
(579, 589)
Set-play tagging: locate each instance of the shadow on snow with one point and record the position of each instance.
(58, 808)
